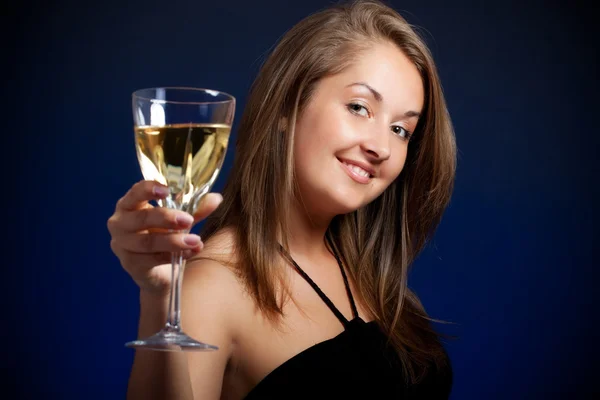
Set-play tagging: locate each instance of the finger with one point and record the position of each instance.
(151, 260)
(157, 242)
(148, 260)
(187, 254)
(140, 194)
(154, 218)
(209, 203)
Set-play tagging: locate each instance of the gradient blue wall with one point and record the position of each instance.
(511, 265)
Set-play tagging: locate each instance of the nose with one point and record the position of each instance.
(377, 144)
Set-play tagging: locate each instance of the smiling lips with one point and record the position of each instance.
(358, 171)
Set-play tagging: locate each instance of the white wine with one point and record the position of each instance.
(185, 157)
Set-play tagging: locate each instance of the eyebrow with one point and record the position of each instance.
(379, 98)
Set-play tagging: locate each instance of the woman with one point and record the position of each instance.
(344, 164)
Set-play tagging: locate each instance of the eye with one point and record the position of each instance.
(358, 109)
(400, 131)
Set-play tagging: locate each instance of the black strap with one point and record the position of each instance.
(316, 288)
(348, 291)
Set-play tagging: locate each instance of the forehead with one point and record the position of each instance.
(388, 70)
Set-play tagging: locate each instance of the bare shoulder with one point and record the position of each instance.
(211, 281)
(215, 265)
(213, 307)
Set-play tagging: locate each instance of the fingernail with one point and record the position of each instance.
(191, 240)
(184, 219)
(160, 191)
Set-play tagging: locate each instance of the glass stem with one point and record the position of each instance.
(174, 315)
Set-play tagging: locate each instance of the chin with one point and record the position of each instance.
(345, 203)
(331, 200)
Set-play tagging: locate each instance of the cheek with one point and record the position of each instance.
(395, 164)
(308, 145)
(316, 136)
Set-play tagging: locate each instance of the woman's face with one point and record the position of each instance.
(352, 137)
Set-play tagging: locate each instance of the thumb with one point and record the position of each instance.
(207, 205)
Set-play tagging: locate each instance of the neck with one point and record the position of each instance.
(307, 232)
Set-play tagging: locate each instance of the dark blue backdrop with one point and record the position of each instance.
(511, 265)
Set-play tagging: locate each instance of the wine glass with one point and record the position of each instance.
(181, 137)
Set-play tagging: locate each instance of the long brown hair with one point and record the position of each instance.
(378, 242)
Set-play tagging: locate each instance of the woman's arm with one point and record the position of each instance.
(207, 307)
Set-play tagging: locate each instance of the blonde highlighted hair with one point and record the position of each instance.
(378, 242)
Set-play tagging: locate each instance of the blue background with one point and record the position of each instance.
(511, 264)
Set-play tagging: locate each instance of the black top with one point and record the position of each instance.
(357, 363)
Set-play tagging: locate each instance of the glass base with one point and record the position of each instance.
(170, 339)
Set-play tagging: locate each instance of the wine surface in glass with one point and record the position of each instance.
(185, 157)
